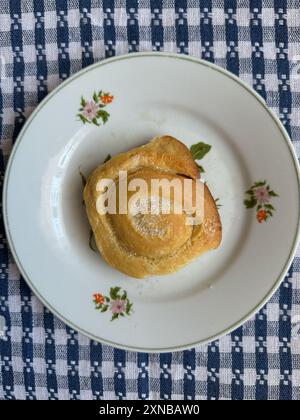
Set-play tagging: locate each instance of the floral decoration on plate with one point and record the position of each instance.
(199, 150)
(117, 303)
(93, 112)
(260, 196)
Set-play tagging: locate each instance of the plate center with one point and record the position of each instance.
(225, 174)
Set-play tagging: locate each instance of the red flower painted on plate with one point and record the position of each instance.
(107, 99)
(262, 216)
(98, 298)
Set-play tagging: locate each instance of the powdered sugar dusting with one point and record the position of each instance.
(147, 216)
(151, 205)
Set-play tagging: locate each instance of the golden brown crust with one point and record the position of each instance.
(123, 241)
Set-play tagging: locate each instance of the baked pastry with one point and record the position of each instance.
(142, 243)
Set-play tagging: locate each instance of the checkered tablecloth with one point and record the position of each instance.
(42, 42)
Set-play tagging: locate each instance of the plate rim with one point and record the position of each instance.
(61, 86)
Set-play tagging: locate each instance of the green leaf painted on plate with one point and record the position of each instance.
(269, 207)
(114, 293)
(82, 101)
(259, 184)
(108, 157)
(199, 150)
(201, 169)
(104, 115)
(95, 121)
(95, 97)
(124, 295)
(83, 178)
(251, 192)
(250, 203)
(128, 308)
(218, 204)
(92, 244)
(83, 119)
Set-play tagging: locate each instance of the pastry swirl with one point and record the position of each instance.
(142, 243)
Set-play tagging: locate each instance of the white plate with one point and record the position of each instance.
(154, 94)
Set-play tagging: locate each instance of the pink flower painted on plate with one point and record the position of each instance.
(262, 195)
(90, 110)
(117, 306)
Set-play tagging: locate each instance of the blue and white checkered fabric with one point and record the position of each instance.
(42, 42)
